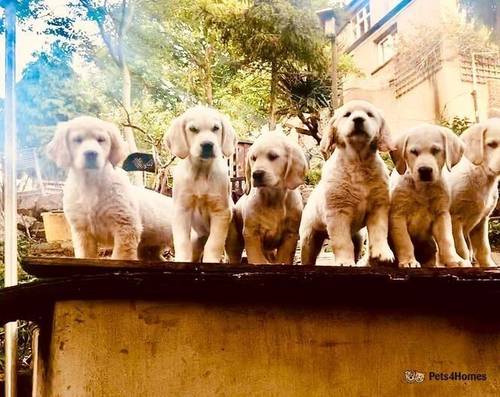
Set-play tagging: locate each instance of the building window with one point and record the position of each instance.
(361, 21)
(386, 48)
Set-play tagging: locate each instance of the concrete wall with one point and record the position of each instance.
(138, 348)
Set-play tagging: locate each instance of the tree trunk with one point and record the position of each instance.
(208, 76)
(127, 105)
(272, 97)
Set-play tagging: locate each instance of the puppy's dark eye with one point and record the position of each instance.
(435, 150)
(370, 114)
(414, 152)
(78, 139)
(253, 158)
(347, 114)
(215, 128)
(193, 129)
(272, 156)
(493, 144)
(101, 139)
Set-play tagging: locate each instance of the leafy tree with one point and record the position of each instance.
(274, 35)
(486, 12)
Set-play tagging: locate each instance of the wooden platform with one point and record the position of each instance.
(169, 329)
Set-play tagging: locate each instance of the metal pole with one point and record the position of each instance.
(10, 193)
(474, 88)
(335, 96)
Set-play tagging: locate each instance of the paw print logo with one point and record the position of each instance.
(412, 376)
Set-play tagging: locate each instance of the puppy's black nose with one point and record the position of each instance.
(358, 120)
(207, 149)
(90, 159)
(258, 176)
(425, 174)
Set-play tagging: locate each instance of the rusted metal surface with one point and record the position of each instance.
(467, 289)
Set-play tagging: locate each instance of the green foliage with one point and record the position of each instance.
(494, 233)
(457, 124)
(313, 176)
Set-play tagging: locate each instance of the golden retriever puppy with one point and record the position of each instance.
(353, 191)
(201, 137)
(100, 203)
(474, 191)
(420, 197)
(266, 219)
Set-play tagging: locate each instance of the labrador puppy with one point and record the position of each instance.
(353, 191)
(100, 203)
(420, 222)
(474, 191)
(201, 137)
(266, 219)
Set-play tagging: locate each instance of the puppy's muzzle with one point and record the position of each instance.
(359, 126)
(425, 174)
(258, 177)
(207, 150)
(90, 159)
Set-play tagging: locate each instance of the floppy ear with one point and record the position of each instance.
(473, 139)
(57, 149)
(176, 139)
(248, 174)
(454, 148)
(118, 149)
(296, 167)
(228, 137)
(398, 154)
(384, 141)
(328, 140)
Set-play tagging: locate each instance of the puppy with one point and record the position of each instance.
(266, 220)
(353, 191)
(201, 137)
(420, 198)
(100, 203)
(474, 191)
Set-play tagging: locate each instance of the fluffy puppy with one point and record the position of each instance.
(420, 197)
(201, 137)
(474, 191)
(100, 203)
(266, 219)
(353, 191)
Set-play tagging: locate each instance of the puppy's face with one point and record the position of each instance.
(482, 144)
(274, 161)
(201, 133)
(86, 143)
(357, 124)
(425, 150)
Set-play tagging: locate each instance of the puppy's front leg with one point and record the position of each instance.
(219, 226)
(286, 251)
(181, 231)
(442, 232)
(401, 239)
(481, 245)
(253, 247)
(459, 239)
(378, 225)
(84, 244)
(339, 231)
(126, 242)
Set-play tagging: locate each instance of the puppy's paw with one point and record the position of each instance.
(457, 262)
(344, 262)
(382, 254)
(411, 263)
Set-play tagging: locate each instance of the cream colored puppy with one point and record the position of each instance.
(474, 188)
(266, 219)
(420, 197)
(100, 203)
(353, 191)
(201, 137)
